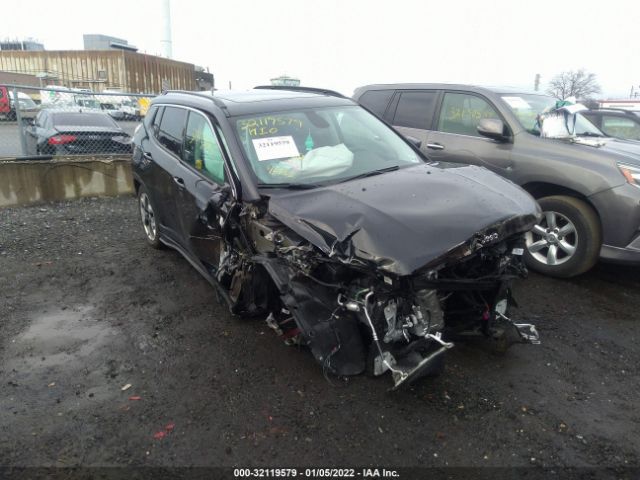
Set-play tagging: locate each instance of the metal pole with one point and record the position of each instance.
(16, 105)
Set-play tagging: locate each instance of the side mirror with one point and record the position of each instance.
(416, 142)
(494, 129)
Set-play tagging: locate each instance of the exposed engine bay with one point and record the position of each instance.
(360, 312)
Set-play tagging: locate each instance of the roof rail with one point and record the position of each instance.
(217, 102)
(322, 91)
(618, 109)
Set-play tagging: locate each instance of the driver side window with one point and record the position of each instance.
(461, 113)
(201, 148)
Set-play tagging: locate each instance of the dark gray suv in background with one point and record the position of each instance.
(587, 185)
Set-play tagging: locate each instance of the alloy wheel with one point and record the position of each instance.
(554, 240)
(148, 217)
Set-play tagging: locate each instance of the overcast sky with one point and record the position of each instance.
(341, 44)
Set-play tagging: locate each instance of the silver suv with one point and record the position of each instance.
(587, 184)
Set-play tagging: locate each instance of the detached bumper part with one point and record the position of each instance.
(412, 366)
(525, 331)
(528, 333)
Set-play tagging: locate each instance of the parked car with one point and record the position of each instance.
(615, 122)
(28, 108)
(119, 105)
(131, 109)
(113, 110)
(587, 185)
(298, 205)
(5, 107)
(64, 132)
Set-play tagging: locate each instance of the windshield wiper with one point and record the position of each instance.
(371, 173)
(589, 134)
(290, 186)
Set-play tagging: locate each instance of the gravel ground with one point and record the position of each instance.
(87, 308)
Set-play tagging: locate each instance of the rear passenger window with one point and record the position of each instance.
(172, 128)
(461, 114)
(201, 148)
(415, 110)
(376, 100)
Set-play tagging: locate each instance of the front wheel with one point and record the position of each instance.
(148, 217)
(567, 240)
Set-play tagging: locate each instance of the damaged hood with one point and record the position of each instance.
(405, 219)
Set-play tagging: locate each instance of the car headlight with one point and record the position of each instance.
(631, 173)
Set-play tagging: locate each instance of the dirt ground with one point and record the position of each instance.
(87, 308)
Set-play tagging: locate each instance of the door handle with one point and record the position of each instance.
(147, 155)
(435, 146)
(179, 181)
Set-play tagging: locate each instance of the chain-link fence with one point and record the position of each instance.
(51, 121)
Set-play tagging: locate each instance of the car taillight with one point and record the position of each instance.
(61, 139)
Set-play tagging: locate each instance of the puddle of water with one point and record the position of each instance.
(61, 336)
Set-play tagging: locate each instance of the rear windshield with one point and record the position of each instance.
(83, 120)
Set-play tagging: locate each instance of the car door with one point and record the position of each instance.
(455, 136)
(411, 113)
(199, 203)
(165, 174)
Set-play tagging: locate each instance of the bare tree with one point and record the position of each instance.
(579, 84)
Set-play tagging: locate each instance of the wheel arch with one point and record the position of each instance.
(539, 190)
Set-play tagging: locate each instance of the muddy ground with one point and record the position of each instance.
(86, 308)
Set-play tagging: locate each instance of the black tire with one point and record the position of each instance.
(586, 238)
(148, 218)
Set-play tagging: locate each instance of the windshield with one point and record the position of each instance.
(584, 126)
(527, 107)
(88, 102)
(320, 145)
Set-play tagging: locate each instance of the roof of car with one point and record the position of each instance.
(259, 100)
(447, 86)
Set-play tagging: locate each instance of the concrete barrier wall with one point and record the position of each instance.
(31, 181)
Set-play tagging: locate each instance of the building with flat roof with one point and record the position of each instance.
(97, 41)
(28, 44)
(102, 69)
(285, 81)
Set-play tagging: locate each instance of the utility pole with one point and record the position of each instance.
(165, 42)
(536, 84)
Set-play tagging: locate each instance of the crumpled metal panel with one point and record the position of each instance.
(403, 220)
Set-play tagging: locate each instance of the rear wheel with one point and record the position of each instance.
(567, 240)
(148, 217)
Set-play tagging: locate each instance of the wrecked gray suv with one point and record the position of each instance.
(303, 208)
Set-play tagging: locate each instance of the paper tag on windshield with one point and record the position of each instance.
(516, 102)
(275, 147)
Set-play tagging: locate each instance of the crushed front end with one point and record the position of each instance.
(360, 315)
